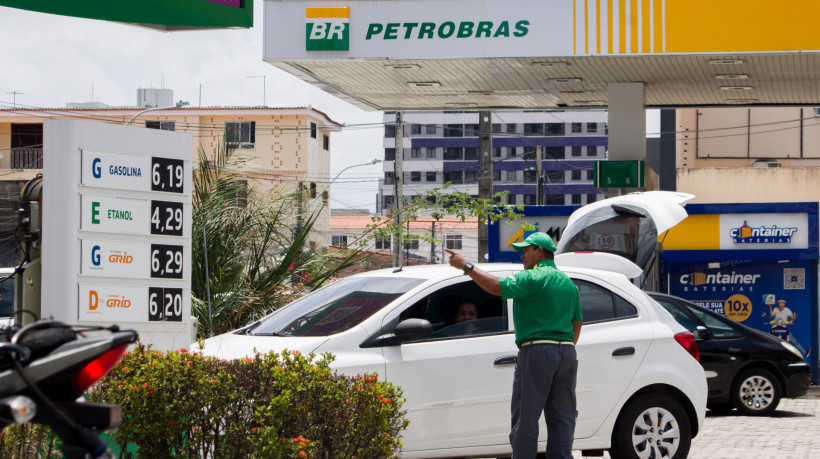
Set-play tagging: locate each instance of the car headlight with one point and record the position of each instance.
(790, 347)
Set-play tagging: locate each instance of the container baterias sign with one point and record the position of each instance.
(430, 29)
(159, 14)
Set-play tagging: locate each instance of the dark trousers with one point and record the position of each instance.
(544, 381)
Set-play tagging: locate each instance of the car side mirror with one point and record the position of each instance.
(702, 332)
(413, 330)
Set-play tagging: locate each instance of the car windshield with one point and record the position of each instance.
(334, 308)
(619, 231)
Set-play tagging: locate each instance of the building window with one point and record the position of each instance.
(389, 131)
(338, 241)
(555, 177)
(511, 151)
(530, 176)
(592, 198)
(241, 135)
(430, 129)
(529, 200)
(389, 154)
(382, 243)
(471, 154)
(455, 177)
(533, 129)
(470, 176)
(312, 130)
(529, 153)
(388, 201)
(431, 176)
(576, 176)
(312, 190)
(497, 152)
(415, 153)
(592, 151)
(592, 127)
(511, 199)
(556, 129)
(415, 129)
(161, 125)
(388, 178)
(554, 200)
(326, 142)
(496, 128)
(577, 127)
(589, 175)
(511, 176)
(431, 153)
(555, 153)
(453, 242)
(576, 199)
(576, 150)
(325, 197)
(453, 154)
(511, 129)
(415, 176)
(470, 130)
(453, 130)
(497, 176)
(412, 243)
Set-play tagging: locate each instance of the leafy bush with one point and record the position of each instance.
(272, 405)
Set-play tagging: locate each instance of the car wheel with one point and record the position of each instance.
(756, 392)
(652, 426)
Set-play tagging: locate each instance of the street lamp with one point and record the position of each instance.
(375, 161)
(264, 99)
(177, 105)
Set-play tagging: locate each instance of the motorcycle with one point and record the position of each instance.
(46, 366)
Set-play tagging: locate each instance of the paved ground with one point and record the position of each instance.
(792, 431)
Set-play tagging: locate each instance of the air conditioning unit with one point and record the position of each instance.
(817, 112)
(766, 163)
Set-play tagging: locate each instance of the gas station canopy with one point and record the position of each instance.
(528, 54)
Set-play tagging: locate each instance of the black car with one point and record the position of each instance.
(745, 368)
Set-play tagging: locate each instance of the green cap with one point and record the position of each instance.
(538, 239)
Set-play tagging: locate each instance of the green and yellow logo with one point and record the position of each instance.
(327, 29)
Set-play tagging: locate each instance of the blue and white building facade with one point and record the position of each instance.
(442, 146)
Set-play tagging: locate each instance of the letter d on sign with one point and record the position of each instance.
(93, 300)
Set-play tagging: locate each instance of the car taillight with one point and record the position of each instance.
(687, 340)
(97, 368)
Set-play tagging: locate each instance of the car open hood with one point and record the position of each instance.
(236, 346)
(626, 225)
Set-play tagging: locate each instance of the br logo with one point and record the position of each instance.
(327, 29)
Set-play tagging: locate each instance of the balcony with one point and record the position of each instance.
(27, 158)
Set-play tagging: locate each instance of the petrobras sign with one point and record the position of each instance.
(114, 170)
(417, 29)
(327, 29)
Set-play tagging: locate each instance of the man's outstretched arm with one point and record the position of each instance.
(484, 280)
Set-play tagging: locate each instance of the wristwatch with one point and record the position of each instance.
(467, 267)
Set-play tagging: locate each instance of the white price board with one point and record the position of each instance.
(132, 303)
(107, 214)
(115, 259)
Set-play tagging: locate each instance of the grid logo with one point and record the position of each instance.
(327, 29)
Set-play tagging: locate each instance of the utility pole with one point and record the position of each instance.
(539, 192)
(485, 178)
(432, 242)
(398, 179)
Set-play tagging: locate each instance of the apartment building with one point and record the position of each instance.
(442, 146)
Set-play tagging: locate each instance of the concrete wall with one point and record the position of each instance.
(750, 184)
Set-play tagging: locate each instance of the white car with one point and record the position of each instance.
(641, 391)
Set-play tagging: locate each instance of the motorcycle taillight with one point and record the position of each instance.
(97, 368)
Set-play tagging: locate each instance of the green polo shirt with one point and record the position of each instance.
(545, 305)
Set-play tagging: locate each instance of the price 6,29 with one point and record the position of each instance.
(164, 304)
(166, 261)
(167, 175)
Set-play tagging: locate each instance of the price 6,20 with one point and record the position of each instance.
(164, 304)
(166, 261)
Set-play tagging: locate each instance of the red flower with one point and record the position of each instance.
(145, 384)
(172, 423)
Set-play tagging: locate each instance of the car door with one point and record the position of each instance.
(614, 340)
(457, 388)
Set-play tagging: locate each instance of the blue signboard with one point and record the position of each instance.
(772, 297)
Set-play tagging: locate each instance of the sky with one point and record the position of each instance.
(52, 60)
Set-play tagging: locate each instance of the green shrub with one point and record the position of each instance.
(273, 405)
